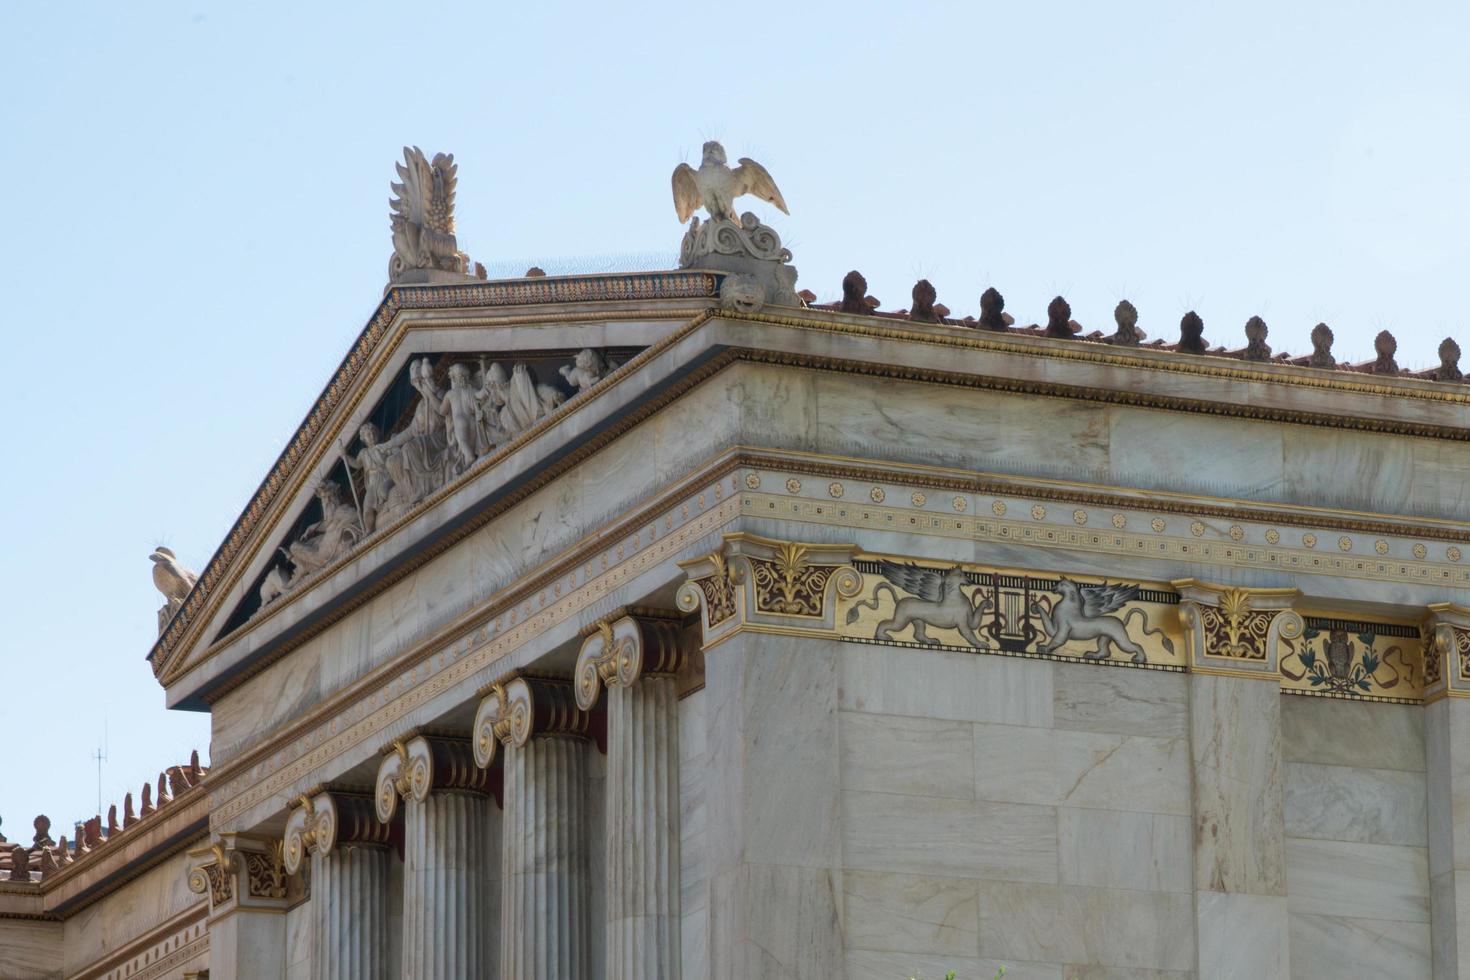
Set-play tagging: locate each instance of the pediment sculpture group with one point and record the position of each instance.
(484, 408)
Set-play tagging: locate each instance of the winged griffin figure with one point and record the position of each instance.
(422, 217)
(1084, 612)
(715, 186)
(938, 600)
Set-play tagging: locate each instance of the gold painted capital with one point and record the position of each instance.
(331, 818)
(1237, 631)
(624, 648)
(240, 872)
(755, 582)
(1446, 651)
(424, 764)
(515, 711)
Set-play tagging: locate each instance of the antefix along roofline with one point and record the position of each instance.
(1389, 404)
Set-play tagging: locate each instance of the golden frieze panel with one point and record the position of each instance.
(767, 585)
(990, 610)
(1355, 660)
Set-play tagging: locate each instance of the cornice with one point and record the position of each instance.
(944, 337)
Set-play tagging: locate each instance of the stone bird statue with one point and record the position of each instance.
(173, 580)
(715, 186)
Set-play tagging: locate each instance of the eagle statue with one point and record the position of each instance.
(715, 186)
(173, 580)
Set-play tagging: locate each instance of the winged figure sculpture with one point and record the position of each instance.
(422, 215)
(715, 186)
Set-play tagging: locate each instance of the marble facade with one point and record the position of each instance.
(794, 642)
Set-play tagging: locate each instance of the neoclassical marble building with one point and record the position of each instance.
(670, 624)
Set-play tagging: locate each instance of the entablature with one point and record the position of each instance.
(682, 357)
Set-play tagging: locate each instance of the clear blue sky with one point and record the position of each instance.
(196, 228)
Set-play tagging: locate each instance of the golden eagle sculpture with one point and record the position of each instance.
(715, 186)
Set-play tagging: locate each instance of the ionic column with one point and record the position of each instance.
(544, 923)
(350, 865)
(449, 867)
(1239, 776)
(245, 880)
(636, 657)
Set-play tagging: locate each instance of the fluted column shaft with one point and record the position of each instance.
(643, 829)
(349, 911)
(544, 901)
(447, 902)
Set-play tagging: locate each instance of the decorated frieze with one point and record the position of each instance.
(1185, 625)
(1355, 659)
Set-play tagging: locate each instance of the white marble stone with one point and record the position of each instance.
(975, 429)
(642, 830)
(1367, 881)
(866, 964)
(1333, 947)
(934, 836)
(349, 910)
(943, 684)
(1123, 772)
(544, 902)
(1122, 702)
(902, 754)
(450, 865)
(775, 923)
(1115, 849)
(1235, 729)
(1374, 806)
(1242, 937)
(1094, 926)
(1350, 733)
(1144, 447)
(1443, 931)
(1016, 764)
(911, 913)
(299, 938)
(252, 946)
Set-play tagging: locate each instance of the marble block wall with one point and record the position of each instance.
(1357, 856)
(1005, 811)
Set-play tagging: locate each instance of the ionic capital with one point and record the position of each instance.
(329, 819)
(426, 764)
(1237, 631)
(623, 649)
(759, 583)
(1446, 651)
(523, 707)
(240, 872)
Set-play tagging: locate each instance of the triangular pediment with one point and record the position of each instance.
(448, 378)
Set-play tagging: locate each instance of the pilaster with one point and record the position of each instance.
(1446, 634)
(544, 918)
(450, 862)
(1234, 639)
(350, 866)
(768, 611)
(637, 657)
(245, 879)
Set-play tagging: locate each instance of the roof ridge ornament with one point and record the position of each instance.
(740, 245)
(425, 249)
